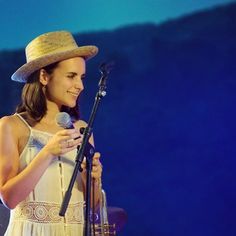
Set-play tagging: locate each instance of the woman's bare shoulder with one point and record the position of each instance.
(12, 123)
(7, 122)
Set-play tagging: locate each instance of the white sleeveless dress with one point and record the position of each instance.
(38, 214)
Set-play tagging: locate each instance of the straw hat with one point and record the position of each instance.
(49, 48)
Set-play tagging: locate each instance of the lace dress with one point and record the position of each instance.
(38, 214)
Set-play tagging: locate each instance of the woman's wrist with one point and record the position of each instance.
(46, 154)
(97, 181)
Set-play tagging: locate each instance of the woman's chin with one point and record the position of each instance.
(71, 105)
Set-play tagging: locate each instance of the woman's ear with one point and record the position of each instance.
(43, 77)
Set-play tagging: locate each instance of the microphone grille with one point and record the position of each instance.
(63, 120)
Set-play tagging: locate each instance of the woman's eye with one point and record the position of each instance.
(70, 76)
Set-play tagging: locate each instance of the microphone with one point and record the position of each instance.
(63, 119)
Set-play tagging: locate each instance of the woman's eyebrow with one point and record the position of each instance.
(72, 73)
(75, 74)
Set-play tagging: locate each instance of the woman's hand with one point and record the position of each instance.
(63, 141)
(96, 168)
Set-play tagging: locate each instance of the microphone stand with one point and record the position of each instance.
(88, 151)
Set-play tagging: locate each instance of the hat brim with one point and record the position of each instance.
(27, 69)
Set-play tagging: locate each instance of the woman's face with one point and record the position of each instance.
(65, 83)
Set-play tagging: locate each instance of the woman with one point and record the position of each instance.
(36, 155)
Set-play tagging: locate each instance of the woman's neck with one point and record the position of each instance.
(52, 110)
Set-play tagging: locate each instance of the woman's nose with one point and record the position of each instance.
(79, 84)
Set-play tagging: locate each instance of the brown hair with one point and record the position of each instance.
(33, 100)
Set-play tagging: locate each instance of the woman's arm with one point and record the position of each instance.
(96, 177)
(15, 186)
(96, 170)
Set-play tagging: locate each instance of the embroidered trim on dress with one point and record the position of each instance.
(41, 212)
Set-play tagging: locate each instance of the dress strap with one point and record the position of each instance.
(23, 120)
